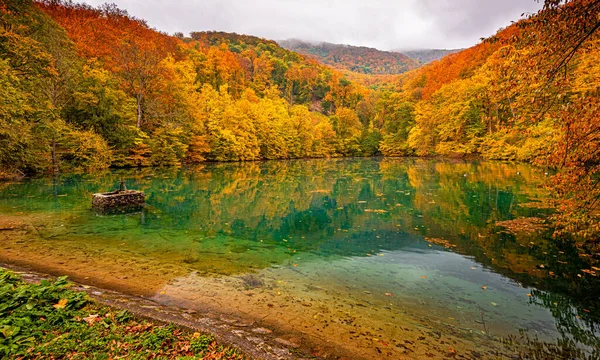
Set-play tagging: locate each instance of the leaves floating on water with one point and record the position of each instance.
(529, 225)
(590, 272)
(546, 204)
(378, 211)
(484, 287)
(320, 191)
(440, 242)
(423, 277)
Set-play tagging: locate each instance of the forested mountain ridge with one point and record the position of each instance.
(425, 56)
(358, 59)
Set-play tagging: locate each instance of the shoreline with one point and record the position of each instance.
(233, 311)
(248, 337)
(9, 178)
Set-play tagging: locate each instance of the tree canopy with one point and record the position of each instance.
(86, 88)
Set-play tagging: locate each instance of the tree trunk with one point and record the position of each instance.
(512, 111)
(291, 96)
(54, 162)
(139, 110)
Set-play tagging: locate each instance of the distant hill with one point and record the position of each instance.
(362, 60)
(425, 56)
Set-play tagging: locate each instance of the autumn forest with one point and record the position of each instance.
(86, 88)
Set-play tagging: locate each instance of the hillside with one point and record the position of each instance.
(87, 88)
(425, 56)
(353, 58)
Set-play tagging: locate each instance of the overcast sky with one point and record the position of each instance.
(383, 24)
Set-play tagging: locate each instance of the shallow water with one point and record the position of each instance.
(369, 258)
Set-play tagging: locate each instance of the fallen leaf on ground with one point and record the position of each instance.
(62, 303)
(91, 319)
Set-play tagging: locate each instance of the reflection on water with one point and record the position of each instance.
(383, 258)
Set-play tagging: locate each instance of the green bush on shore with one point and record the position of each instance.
(49, 320)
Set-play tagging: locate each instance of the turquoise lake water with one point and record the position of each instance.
(380, 258)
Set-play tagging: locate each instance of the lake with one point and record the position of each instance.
(376, 258)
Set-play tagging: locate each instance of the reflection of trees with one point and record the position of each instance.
(580, 332)
(275, 200)
(319, 206)
(582, 326)
(528, 346)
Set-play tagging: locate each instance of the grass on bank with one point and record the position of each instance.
(48, 321)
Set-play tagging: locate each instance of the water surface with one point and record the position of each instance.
(376, 258)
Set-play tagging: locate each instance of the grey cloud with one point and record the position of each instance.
(462, 19)
(384, 24)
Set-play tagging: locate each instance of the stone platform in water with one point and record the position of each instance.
(119, 201)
